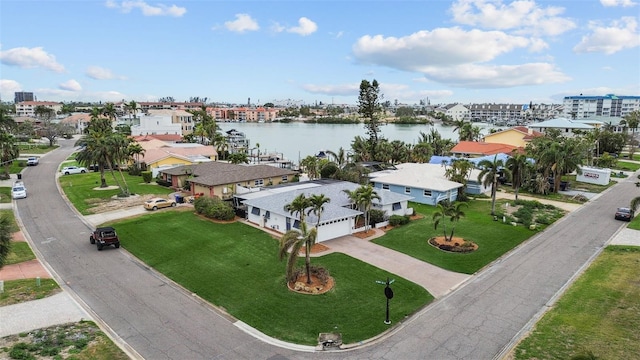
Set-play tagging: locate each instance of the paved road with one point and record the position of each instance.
(160, 321)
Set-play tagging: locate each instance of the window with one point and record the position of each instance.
(407, 190)
(267, 215)
(259, 182)
(427, 193)
(255, 210)
(296, 224)
(285, 178)
(396, 206)
(385, 186)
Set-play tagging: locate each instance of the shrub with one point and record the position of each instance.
(202, 203)
(135, 171)
(146, 176)
(397, 220)
(220, 210)
(376, 216)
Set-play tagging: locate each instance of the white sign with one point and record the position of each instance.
(596, 176)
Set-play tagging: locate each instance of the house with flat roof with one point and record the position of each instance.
(266, 207)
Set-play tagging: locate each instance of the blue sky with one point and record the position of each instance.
(318, 51)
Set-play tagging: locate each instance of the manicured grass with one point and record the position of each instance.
(80, 188)
(598, 315)
(635, 223)
(235, 267)
(626, 166)
(494, 238)
(582, 186)
(9, 213)
(17, 291)
(20, 251)
(5, 194)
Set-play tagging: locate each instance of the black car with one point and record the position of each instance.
(625, 214)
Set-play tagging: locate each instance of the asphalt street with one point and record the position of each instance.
(156, 319)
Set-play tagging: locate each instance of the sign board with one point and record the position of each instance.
(592, 175)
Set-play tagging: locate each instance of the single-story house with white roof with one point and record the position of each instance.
(566, 126)
(266, 207)
(426, 183)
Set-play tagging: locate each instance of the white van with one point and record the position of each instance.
(18, 191)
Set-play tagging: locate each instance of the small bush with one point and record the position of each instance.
(202, 203)
(376, 216)
(135, 171)
(397, 220)
(146, 176)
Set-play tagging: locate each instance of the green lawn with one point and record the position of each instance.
(599, 315)
(9, 213)
(235, 267)
(5, 194)
(36, 149)
(80, 189)
(494, 238)
(20, 251)
(582, 186)
(626, 166)
(17, 291)
(635, 223)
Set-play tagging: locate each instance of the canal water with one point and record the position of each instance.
(297, 140)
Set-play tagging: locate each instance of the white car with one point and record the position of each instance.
(32, 161)
(18, 191)
(73, 170)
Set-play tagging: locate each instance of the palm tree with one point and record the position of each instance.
(445, 210)
(519, 166)
(293, 240)
(310, 165)
(362, 198)
(239, 158)
(96, 147)
(135, 150)
(109, 110)
(9, 150)
(133, 108)
(421, 152)
(340, 157)
(489, 177)
(317, 206)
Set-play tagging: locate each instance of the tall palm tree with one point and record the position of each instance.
(317, 203)
(310, 165)
(421, 152)
(293, 240)
(133, 108)
(519, 166)
(109, 110)
(340, 157)
(96, 147)
(489, 177)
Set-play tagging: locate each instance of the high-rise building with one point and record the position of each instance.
(580, 107)
(20, 96)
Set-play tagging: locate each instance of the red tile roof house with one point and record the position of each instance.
(477, 149)
(223, 179)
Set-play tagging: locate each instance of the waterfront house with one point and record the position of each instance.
(565, 126)
(470, 149)
(518, 136)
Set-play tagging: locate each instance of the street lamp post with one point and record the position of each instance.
(388, 293)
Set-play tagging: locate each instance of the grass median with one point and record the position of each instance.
(236, 267)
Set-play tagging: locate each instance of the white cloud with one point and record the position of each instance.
(30, 58)
(623, 3)
(100, 73)
(496, 76)
(404, 94)
(146, 9)
(242, 23)
(66, 95)
(621, 34)
(305, 27)
(439, 47)
(8, 88)
(336, 90)
(523, 16)
(70, 85)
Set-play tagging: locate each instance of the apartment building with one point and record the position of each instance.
(173, 122)
(242, 114)
(496, 112)
(580, 107)
(20, 96)
(28, 108)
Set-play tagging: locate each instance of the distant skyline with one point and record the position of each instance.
(466, 51)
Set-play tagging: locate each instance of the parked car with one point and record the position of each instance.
(18, 191)
(32, 161)
(625, 214)
(104, 236)
(159, 203)
(73, 170)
